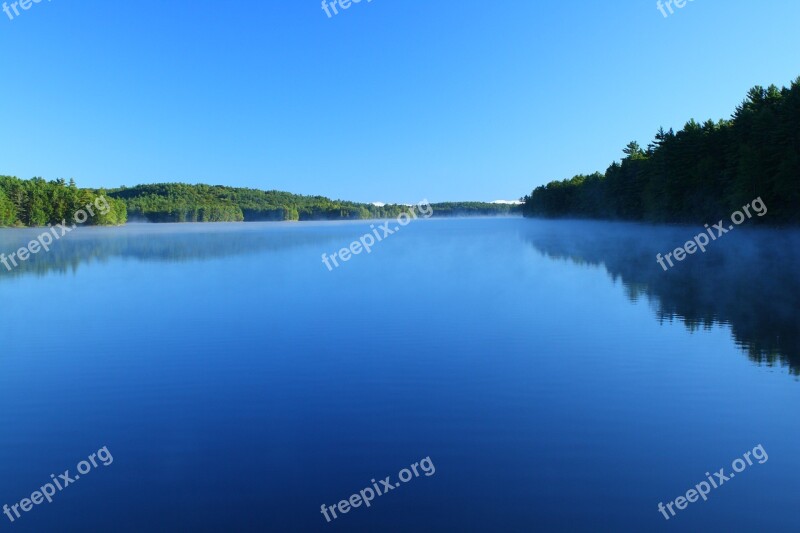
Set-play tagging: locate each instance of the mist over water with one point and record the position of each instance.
(539, 364)
(748, 279)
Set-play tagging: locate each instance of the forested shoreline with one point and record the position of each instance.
(178, 202)
(37, 202)
(699, 174)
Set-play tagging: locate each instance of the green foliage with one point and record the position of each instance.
(701, 173)
(179, 202)
(37, 202)
(8, 213)
(460, 209)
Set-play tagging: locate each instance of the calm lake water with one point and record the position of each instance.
(556, 376)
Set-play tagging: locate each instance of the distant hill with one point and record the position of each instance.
(37, 202)
(178, 202)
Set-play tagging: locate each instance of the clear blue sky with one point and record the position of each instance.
(392, 100)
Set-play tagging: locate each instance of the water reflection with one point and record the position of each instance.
(158, 242)
(749, 279)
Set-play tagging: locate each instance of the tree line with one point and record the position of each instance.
(180, 202)
(37, 202)
(701, 173)
(461, 209)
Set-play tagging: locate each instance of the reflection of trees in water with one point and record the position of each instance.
(152, 243)
(748, 279)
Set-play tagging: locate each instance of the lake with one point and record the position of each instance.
(553, 374)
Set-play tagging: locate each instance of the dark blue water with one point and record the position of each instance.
(557, 378)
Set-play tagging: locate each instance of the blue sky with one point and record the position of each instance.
(392, 100)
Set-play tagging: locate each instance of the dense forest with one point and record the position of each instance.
(37, 202)
(178, 202)
(460, 209)
(699, 174)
